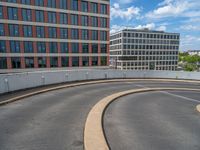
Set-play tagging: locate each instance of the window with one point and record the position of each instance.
(53, 47)
(53, 62)
(29, 62)
(13, 30)
(2, 46)
(12, 13)
(84, 6)
(39, 2)
(85, 61)
(103, 61)
(26, 15)
(85, 34)
(27, 31)
(63, 33)
(14, 47)
(94, 35)
(74, 4)
(103, 22)
(39, 16)
(94, 48)
(63, 4)
(3, 63)
(40, 32)
(103, 48)
(94, 7)
(16, 63)
(51, 17)
(2, 30)
(12, 1)
(28, 47)
(94, 61)
(75, 61)
(52, 32)
(64, 47)
(65, 61)
(51, 3)
(27, 2)
(63, 18)
(41, 47)
(1, 12)
(103, 35)
(84, 20)
(94, 21)
(74, 19)
(85, 48)
(75, 47)
(74, 34)
(103, 9)
(42, 62)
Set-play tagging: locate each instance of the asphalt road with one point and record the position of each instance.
(55, 120)
(154, 121)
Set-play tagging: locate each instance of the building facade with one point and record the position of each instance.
(54, 33)
(144, 50)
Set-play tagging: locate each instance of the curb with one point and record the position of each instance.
(86, 83)
(94, 138)
(198, 108)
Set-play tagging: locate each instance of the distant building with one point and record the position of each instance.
(194, 52)
(144, 50)
(54, 33)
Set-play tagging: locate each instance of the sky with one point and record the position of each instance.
(179, 16)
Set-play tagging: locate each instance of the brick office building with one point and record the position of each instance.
(54, 33)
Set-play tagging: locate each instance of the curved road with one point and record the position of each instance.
(55, 120)
(163, 120)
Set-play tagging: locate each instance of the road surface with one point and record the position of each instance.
(55, 120)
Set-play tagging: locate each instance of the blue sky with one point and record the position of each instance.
(180, 16)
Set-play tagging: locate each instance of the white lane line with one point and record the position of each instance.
(179, 96)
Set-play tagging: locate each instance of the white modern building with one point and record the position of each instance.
(144, 50)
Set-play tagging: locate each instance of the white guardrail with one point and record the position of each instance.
(18, 81)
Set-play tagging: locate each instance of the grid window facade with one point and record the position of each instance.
(144, 50)
(53, 33)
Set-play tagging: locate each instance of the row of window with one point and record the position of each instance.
(145, 47)
(147, 63)
(145, 35)
(53, 47)
(63, 4)
(173, 68)
(42, 62)
(166, 47)
(53, 18)
(146, 58)
(53, 32)
(144, 41)
(135, 53)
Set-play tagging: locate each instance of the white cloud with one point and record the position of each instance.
(165, 2)
(127, 13)
(150, 26)
(189, 42)
(190, 27)
(116, 28)
(175, 8)
(162, 28)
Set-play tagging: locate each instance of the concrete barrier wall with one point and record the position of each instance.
(18, 81)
